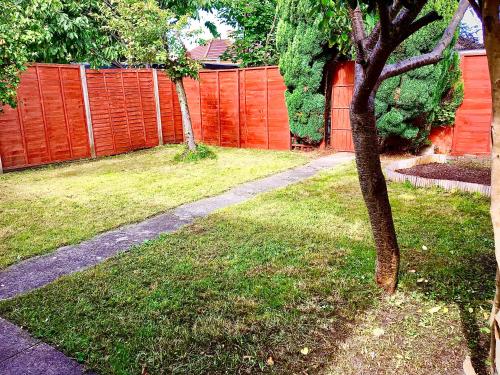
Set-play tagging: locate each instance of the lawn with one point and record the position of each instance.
(283, 284)
(43, 209)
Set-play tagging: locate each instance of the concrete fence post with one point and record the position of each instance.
(88, 117)
(158, 109)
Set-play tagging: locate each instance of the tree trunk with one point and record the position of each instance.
(374, 187)
(327, 83)
(187, 126)
(491, 31)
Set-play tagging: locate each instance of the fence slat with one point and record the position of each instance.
(88, 117)
(157, 105)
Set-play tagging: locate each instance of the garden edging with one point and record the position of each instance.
(392, 175)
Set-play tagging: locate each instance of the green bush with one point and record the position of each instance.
(305, 48)
(201, 152)
(409, 105)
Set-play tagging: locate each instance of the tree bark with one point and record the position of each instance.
(327, 89)
(491, 32)
(187, 126)
(374, 188)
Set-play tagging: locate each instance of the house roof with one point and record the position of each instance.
(210, 51)
(464, 43)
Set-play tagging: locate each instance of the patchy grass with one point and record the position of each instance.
(42, 209)
(249, 288)
(201, 152)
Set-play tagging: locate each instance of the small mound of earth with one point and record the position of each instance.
(448, 171)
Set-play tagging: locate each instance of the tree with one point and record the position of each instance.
(397, 21)
(149, 34)
(307, 55)
(14, 55)
(51, 31)
(488, 13)
(255, 30)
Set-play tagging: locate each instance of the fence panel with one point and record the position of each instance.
(123, 110)
(278, 128)
(255, 125)
(472, 133)
(229, 127)
(239, 108)
(171, 118)
(49, 122)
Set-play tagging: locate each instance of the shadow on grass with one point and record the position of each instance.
(468, 282)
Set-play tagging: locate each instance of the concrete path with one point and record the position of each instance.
(21, 354)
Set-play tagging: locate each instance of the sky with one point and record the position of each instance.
(222, 28)
(470, 19)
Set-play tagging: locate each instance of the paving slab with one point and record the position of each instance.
(20, 354)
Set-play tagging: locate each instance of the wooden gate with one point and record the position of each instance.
(343, 85)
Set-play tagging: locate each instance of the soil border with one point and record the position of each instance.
(392, 175)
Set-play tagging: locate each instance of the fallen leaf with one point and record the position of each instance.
(434, 309)
(377, 332)
(305, 350)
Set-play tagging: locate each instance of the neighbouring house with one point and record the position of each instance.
(465, 43)
(209, 54)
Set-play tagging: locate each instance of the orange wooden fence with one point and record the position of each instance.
(230, 108)
(66, 112)
(48, 124)
(123, 110)
(472, 130)
(471, 133)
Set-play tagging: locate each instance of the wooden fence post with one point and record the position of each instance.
(158, 108)
(88, 117)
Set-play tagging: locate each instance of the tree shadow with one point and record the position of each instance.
(466, 281)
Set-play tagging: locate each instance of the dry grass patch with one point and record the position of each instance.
(42, 209)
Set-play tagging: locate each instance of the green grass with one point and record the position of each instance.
(42, 209)
(289, 270)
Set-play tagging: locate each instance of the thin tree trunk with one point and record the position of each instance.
(374, 188)
(328, 72)
(491, 31)
(187, 126)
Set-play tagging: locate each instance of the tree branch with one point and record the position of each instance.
(408, 15)
(476, 6)
(429, 58)
(358, 34)
(385, 19)
(420, 23)
(374, 36)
